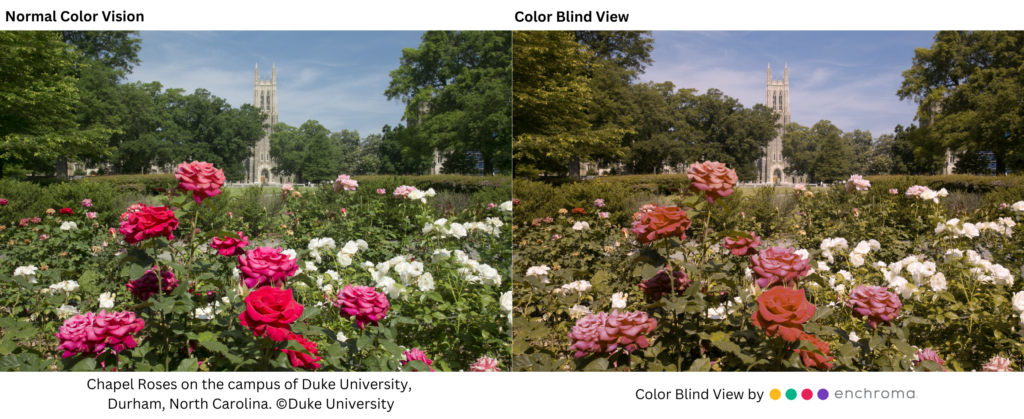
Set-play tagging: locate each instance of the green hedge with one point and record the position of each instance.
(453, 183)
(654, 184)
(994, 189)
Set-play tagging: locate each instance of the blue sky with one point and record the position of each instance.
(849, 78)
(337, 78)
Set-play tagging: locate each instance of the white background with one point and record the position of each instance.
(561, 395)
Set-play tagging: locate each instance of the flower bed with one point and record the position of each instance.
(857, 278)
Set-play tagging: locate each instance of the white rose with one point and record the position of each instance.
(619, 299)
(506, 301)
(107, 300)
(350, 248)
(29, 272)
(581, 225)
(425, 282)
(938, 282)
(853, 337)
(1018, 302)
(328, 290)
(310, 266)
(804, 254)
(458, 231)
(430, 192)
(857, 259)
(291, 253)
(970, 230)
(69, 225)
(344, 259)
(507, 206)
(1018, 206)
(578, 311)
(66, 311)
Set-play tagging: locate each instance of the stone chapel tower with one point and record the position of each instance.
(771, 166)
(259, 165)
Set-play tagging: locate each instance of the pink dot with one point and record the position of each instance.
(807, 394)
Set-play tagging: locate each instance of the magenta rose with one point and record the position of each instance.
(201, 178)
(229, 246)
(148, 222)
(265, 266)
(929, 355)
(742, 246)
(299, 359)
(714, 178)
(345, 183)
(270, 312)
(778, 266)
(87, 202)
(152, 282)
(362, 304)
(604, 333)
(415, 354)
(659, 285)
(485, 364)
(92, 333)
(3, 201)
(875, 304)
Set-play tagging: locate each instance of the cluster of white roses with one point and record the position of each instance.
(925, 193)
(66, 311)
(1018, 306)
(579, 287)
(491, 226)
(619, 300)
(29, 272)
(581, 225)
(958, 228)
(1004, 226)
(69, 225)
(829, 247)
(540, 272)
(506, 304)
(408, 271)
(317, 245)
(862, 249)
(67, 287)
(107, 300)
(442, 228)
(984, 270)
(920, 271)
(577, 311)
(473, 271)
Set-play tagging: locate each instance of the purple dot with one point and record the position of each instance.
(822, 394)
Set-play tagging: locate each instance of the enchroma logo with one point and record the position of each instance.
(875, 394)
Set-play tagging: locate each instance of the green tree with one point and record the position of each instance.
(628, 50)
(551, 98)
(969, 89)
(818, 152)
(723, 130)
(457, 87)
(308, 152)
(38, 95)
(860, 143)
(116, 50)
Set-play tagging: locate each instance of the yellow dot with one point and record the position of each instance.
(775, 394)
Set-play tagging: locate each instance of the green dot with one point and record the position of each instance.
(791, 394)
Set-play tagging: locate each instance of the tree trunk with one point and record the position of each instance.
(1000, 164)
(574, 168)
(488, 165)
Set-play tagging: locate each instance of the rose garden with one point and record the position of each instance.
(345, 277)
(891, 276)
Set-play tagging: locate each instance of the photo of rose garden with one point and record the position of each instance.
(152, 229)
(658, 229)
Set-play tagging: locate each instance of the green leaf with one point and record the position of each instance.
(391, 347)
(215, 346)
(86, 364)
(188, 365)
(597, 364)
(903, 346)
(876, 341)
(728, 346)
(363, 341)
(929, 365)
(700, 365)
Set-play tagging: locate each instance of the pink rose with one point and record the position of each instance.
(362, 304)
(997, 364)
(43, 237)
(857, 182)
(485, 364)
(346, 183)
(148, 222)
(90, 215)
(742, 246)
(23, 222)
(201, 178)
(91, 333)
(660, 284)
(929, 355)
(265, 266)
(152, 282)
(403, 191)
(382, 192)
(415, 354)
(491, 205)
(876, 304)
(229, 246)
(661, 222)
(894, 191)
(782, 312)
(778, 266)
(603, 215)
(87, 202)
(287, 187)
(36, 220)
(599, 203)
(604, 333)
(714, 178)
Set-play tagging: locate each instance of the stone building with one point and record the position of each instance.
(772, 166)
(259, 166)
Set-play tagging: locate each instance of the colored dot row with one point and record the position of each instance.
(807, 394)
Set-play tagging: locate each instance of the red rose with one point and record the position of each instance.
(742, 246)
(299, 359)
(201, 178)
(660, 285)
(714, 178)
(152, 282)
(661, 222)
(579, 211)
(148, 222)
(783, 311)
(67, 211)
(270, 311)
(813, 360)
(778, 266)
(229, 246)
